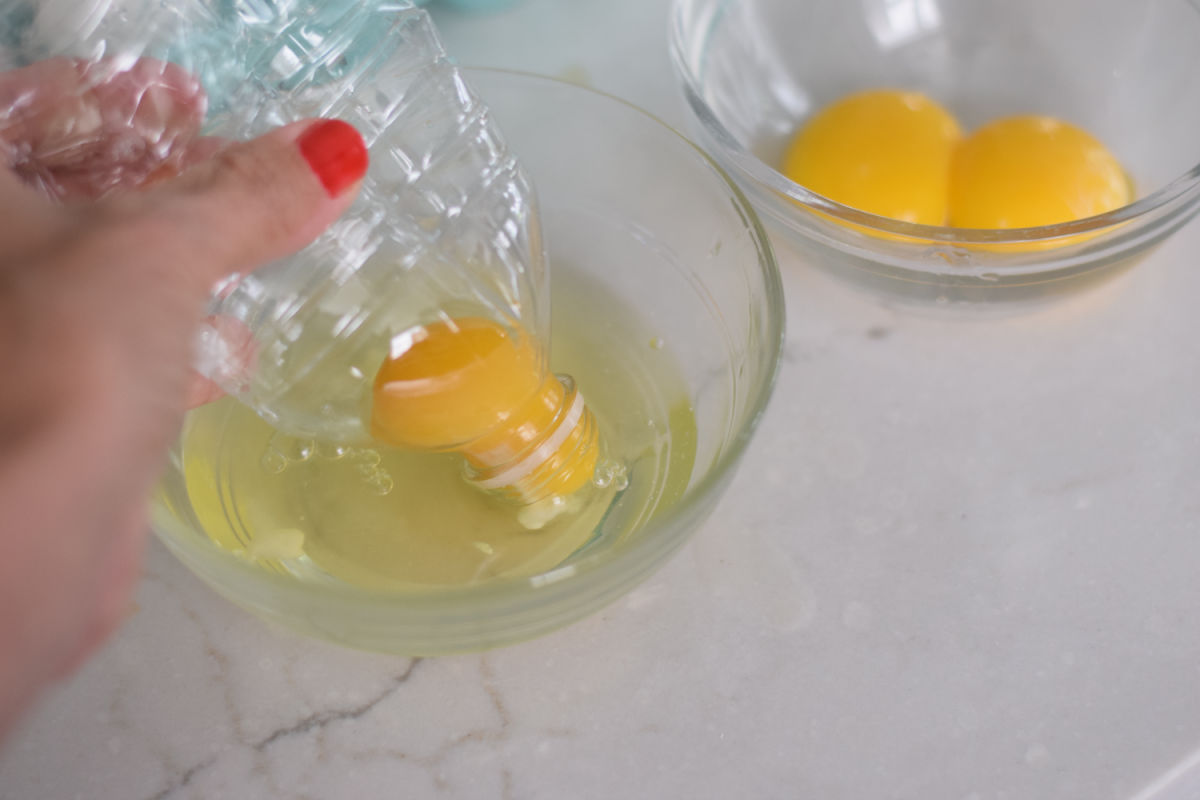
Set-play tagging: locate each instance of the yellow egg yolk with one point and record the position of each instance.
(1027, 171)
(882, 151)
(471, 386)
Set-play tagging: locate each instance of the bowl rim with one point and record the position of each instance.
(743, 161)
(623, 565)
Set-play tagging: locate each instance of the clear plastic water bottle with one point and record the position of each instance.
(445, 227)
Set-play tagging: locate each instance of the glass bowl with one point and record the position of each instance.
(752, 69)
(649, 220)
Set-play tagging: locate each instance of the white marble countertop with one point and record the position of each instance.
(958, 563)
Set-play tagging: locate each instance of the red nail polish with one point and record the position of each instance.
(336, 153)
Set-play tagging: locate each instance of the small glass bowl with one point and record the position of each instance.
(653, 221)
(1125, 72)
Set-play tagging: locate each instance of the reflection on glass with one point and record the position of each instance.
(898, 22)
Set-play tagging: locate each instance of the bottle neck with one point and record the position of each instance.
(473, 387)
(548, 447)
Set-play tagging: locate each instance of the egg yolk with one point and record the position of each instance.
(469, 385)
(882, 151)
(1027, 171)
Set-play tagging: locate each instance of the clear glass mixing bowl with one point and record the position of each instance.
(658, 225)
(752, 69)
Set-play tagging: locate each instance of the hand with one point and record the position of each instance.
(98, 302)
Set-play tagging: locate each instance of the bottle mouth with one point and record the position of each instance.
(556, 436)
(470, 386)
(562, 461)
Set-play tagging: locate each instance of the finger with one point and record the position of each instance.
(78, 130)
(160, 101)
(27, 92)
(29, 98)
(257, 201)
(52, 105)
(227, 350)
(150, 114)
(202, 391)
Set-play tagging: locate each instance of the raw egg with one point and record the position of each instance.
(473, 386)
(1027, 171)
(883, 151)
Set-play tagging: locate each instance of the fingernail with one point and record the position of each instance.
(336, 153)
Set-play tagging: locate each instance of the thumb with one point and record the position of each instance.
(253, 202)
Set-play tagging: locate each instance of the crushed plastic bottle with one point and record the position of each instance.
(445, 227)
(445, 223)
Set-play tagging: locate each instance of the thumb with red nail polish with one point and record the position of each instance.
(268, 197)
(253, 202)
(239, 207)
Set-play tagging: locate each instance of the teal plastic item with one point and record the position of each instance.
(480, 5)
(474, 5)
